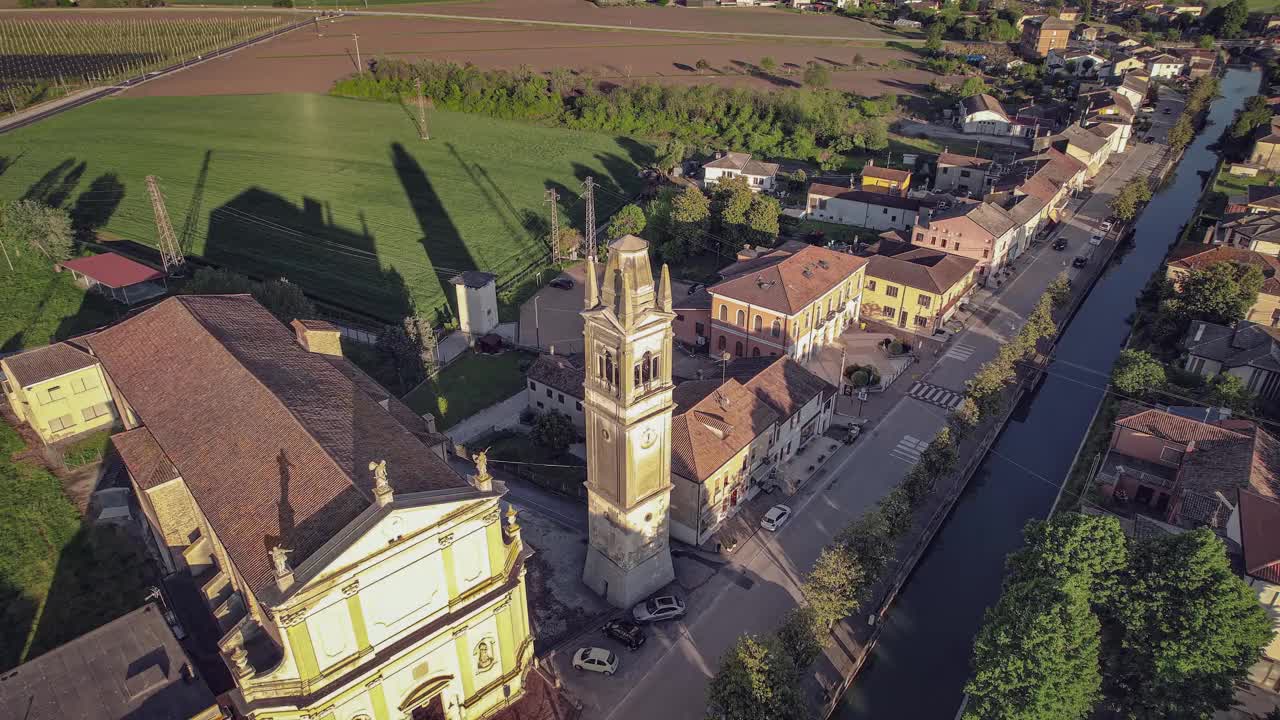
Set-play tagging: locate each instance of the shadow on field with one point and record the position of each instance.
(96, 205)
(56, 185)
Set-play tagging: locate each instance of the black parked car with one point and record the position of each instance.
(1060, 244)
(627, 633)
(1080, 262)
(562, 283)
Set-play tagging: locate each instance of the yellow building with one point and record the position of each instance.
(59, 390)
(922, 284)
(350, 572)
(884, 180)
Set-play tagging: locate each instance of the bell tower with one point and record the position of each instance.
(627, 403)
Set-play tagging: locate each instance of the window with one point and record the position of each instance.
(533, 385)
(922, 321)
(560, 397)
(61, 423)
(964, 173)
(755, 352)
(934, 241)
(540, 404)
(646, 368)
(985, 253)
(8, 389)
(776, 329)
(919, 237)
(679, 317)
(55, 393)
(720, 343)
(699, 329)
(759, 323)
(742, 319)
(95, 411)
(548, 392)
(871, 285)
(656, 369)
(924, 300)
(887, 311)
(578, 405)
(822, 204)
(737, 349)
(891, 290)
(80, 385)
(724, 313)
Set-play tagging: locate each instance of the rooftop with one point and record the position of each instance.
(883, 173)
(925, 269)
(1260, 535)
(474, 279)
(712, 423)
(865, 196)
(557, 371)
(954, 160)
(982, 102)
(48, 362)
(743, 163)
(112, 270)
(788, 279)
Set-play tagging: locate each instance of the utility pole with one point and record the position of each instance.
(590, 196)
(553, 198)
(170, 254)
(423, 132)
(537, 327)
(359, 62)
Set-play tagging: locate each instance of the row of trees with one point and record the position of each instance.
(1129, 200)
(1157, 628)
(686, 222)
(1202, 92)
(813, 124)
(1139, 375)
(759, 677)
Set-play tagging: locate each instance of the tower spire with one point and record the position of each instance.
(664, 290)
(593, 290)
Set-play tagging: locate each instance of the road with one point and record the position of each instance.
(668, 677)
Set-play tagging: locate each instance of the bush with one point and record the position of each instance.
(897, 348)
(554, 430)
(860, 378)
(282, 3)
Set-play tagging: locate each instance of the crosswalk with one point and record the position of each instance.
(935, 394)
(960, 352)
(908, 449)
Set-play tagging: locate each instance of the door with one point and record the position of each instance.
(902, 319)
(433, 710)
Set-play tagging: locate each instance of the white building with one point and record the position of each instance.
(553, 382)
(982, 114)
(1165, 66)
(477, 303)
(876, 211)
(760, 175)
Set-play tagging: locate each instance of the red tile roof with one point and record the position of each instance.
(1175, 427)
(1260, 535)
(712, 424)
(113, 270)
(147, 463)
(272, 441)
(787, 279)
(46, 363)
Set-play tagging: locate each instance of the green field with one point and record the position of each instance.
(38, 305)
(339, 196)
(468, 385)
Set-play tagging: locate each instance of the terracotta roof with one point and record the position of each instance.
(954, 160)
(743, 163)
(782, 383)
(710, 431)
(1201, 258)
(865, 196)
(412, 421)
(925, 269)
(147, 463)
(1260, 535)
(558, 372)
(112, 270)
(884, 173)
(1265, 196)
(789, 278)
(1175, 427)
(1054, 169)
(320, 325)
(982, 102)
(272, 441)
(1250, 460)
(46, 363)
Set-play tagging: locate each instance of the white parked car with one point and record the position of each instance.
(596, 660)
(663, 607)
(1095, 239)
(775, 518)
(1105, 226)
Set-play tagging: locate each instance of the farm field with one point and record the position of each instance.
(301, 62)
(338, 196)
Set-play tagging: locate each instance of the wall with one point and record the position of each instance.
(962, 236)
(1146, 447)
(1266, 672)
(859, 213)
(477, 309)
(73, 394)
(940, 305)
(558, 400)
(711, 176)
(950, 178)
(686, 326)
(985, 123)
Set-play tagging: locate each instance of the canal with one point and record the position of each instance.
(921, 663)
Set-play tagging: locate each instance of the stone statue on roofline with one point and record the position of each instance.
(280, 559)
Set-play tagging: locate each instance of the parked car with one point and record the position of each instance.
(628, 633)
(1105, 226)
(1147, 109)
(562, 283)
(1167, 111)
(1095, 239)
(695, 287)
(775, 518)
(1080, 262)
(596, 660)
(1060, 244)
(657, 609)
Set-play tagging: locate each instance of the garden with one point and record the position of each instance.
(469, 384)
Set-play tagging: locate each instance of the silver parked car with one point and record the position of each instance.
(656, 609)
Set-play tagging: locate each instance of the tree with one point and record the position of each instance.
(940, 457)
(1181, 133)
(731, 205)
(933, 37)
(670, 154)
(629, 220)
(702, 64)
(1086, 10)
(280, 297)
(1256, 112)
(1136, 373)
(1220, 293)
(756, 681)
(801, 636)
(768, 64)
(1059, 289)
(972, 85)
(1189, 629)
(1230, 24)
(569, 241)
(1206, 42)
(869, 543)
(1073, 548)
(964, 418)
(817, 75)
(835, 585)
(1229, 391)
(1036, 656)
(1126, 202)
(858, 60)
(42, 228)
(762, 218)
(554, 430)
(690, 216)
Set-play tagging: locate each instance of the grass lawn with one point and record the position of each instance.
(38, 305)
(1237, 184)
(337, 195)
(471, 383)
(58, 578)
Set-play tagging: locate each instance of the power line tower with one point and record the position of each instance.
(553, 198)
(170, 254)
(590, 196)
(423, 133)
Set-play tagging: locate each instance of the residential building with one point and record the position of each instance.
(1089, 147)
(1040, 35)
(981, 231)
(132, 668)
(961, 172)
(1123, 66)
(982, 114)
(1258, 199)
(1255, 527)
(1266, 146)
(1121, 42)
(760, 175)
(1134, 87)
(347, 569)
(58, 390)
(1250, 351)
(1184, 470)
(1163, 65)
(917, 289)
(693, 318)
(1086, 33)
(554, 383)
(1051, 176)
(790, 301)
(888, 181)
(1079, 63)
(1259, 232)
(1192, 10)
(1194, 256)
(1198, 67)
(873, 210)
(730, 438)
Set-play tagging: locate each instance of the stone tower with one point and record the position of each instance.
(627, 403)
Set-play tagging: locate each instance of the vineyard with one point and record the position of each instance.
(42, 58)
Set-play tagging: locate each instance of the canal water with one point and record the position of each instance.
(921, 663)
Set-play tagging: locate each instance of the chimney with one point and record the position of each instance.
(1199, 332)
(318, 336)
